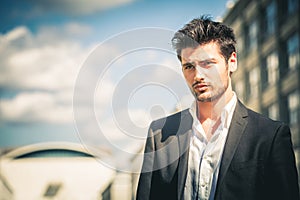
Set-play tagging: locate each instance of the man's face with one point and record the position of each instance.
(206, 71)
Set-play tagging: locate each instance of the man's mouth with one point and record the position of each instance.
(200, 86)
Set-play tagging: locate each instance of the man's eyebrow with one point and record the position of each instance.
(201, 61)
(208, 59)
(187, 63)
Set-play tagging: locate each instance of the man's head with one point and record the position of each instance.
(201, 31)
(206, 50)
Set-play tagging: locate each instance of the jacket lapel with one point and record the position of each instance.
(184, 136)
(237, 127)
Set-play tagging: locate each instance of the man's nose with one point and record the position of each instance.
(199, 73)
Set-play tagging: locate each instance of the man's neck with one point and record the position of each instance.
(208, 113)
(213, 109)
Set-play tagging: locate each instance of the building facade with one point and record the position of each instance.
(55, 171)
(268, 77)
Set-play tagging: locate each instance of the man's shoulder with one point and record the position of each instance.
(173, 121)
(261, 119)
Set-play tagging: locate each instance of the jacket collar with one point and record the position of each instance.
(238, 124)
(183, 144)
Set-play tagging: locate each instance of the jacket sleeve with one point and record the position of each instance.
(145, 180)
(282, 172)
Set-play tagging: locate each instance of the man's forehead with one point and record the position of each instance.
(201, 52)
(198, 54)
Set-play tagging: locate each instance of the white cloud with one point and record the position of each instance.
(48, 62)
(103, 94)
(43, 61)
(36, 107)
(185, 102)
(134, 130)
(172, 71)
(67, 32)
(16, 33)
(140, 118)
(47, 67)
(76, 7)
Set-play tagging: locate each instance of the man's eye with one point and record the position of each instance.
(207, 64)
(189, 67)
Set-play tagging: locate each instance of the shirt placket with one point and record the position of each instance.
(206, 173)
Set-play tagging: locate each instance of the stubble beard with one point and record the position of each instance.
(211, 94)
(209, 98)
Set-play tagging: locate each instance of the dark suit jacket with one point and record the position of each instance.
(258, 161)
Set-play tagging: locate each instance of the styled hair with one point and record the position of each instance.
(201, 31)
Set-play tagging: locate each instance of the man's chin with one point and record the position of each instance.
(203, 98)
(208, 97)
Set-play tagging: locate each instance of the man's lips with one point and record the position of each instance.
(201, 87)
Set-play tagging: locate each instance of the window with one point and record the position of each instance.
(270, 18)
(269, 72)
(53, 153)
(239, 45)
(253, 82)
(293, 51)
(273, 111)
(293, 106)
(293, 6)
(272, 68)
(52, 190)
(252, 35)
(106, 195)
(239, 89)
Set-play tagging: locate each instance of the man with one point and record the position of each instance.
(217, 149)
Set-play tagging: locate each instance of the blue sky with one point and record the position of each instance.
(44, 46)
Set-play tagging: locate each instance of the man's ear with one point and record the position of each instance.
(232, 62)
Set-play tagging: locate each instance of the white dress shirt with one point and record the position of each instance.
(205, 156)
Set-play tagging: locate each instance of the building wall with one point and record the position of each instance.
(6, 192)
(268, 77)
(56, 171)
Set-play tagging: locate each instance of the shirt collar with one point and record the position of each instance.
(228, 111)
(226, 114)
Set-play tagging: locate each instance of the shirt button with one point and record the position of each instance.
(207, 157)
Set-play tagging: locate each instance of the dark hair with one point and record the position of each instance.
(202, 31)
